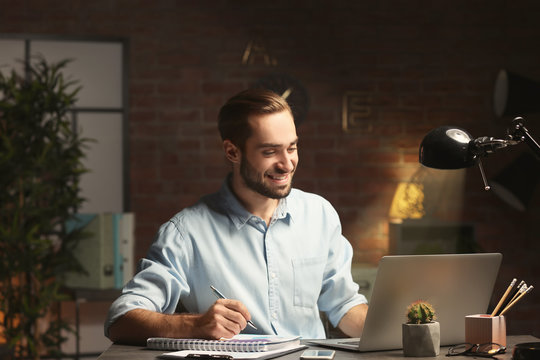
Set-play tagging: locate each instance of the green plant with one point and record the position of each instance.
(40, 168)
(420, 312)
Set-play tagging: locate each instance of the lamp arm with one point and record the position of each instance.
(486, 145)
(520, 133)
(483, 146)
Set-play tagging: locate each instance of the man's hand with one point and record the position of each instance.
(225, 318)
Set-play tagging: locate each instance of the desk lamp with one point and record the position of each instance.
(448, 147)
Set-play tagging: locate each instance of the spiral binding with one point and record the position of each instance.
(208, 345)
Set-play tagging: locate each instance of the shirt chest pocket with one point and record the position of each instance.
(308, 276)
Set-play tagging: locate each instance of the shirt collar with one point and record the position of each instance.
(236, 211)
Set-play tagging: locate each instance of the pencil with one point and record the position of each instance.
(504, 297)
(517, 299)
(513, 294)
(521, 288)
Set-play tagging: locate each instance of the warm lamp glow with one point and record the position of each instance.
(428, 194)
(408, 202)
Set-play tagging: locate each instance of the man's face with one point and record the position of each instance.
(270, 156)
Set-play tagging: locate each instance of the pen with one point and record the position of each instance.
(221, 296)
(209, 357)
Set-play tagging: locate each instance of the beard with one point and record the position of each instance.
(255, 181)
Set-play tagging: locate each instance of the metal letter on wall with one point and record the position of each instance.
(357, 113)
(256, 50)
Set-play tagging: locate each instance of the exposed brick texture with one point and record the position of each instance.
(424, 63)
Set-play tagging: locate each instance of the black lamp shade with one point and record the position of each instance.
(447, 147)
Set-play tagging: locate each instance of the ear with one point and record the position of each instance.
(232, 152)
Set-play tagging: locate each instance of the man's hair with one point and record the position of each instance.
(233, 117)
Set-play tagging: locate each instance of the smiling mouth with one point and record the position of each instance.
(279, 178)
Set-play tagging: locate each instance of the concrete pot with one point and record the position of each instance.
(421, 339)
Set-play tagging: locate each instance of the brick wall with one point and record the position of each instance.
(423, 63)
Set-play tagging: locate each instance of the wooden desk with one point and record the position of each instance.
(119, 352)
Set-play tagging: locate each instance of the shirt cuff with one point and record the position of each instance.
(124, 304)
(336, 316)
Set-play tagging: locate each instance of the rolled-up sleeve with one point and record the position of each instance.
(339, 292)
(160, 280)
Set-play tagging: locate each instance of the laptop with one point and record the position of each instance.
(455, 284)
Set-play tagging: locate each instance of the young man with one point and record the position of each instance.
(277, 253)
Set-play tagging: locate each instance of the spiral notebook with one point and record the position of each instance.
(238, 343)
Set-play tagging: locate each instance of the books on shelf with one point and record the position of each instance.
(239, 347)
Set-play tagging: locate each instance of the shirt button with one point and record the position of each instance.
(273, 275)
(274, 316)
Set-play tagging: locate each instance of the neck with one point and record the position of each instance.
(257, 204)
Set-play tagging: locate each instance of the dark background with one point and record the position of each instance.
(422, 63)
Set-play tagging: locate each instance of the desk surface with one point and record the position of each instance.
(140, 353)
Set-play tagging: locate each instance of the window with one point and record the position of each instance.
(100, 113)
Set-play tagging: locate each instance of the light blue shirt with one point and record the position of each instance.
(284, 273)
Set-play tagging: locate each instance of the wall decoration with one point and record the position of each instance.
(357, 112)
(291, 90)
(256, 51)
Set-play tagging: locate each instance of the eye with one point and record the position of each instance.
(268, 152)
(292, 149)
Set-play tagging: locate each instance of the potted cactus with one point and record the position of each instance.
(421, 334)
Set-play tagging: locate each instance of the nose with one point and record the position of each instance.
(287, 161)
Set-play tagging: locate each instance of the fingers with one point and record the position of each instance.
(225, 318)
(234, 314)
(237, 311)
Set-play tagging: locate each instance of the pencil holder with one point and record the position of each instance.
(481, 329)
